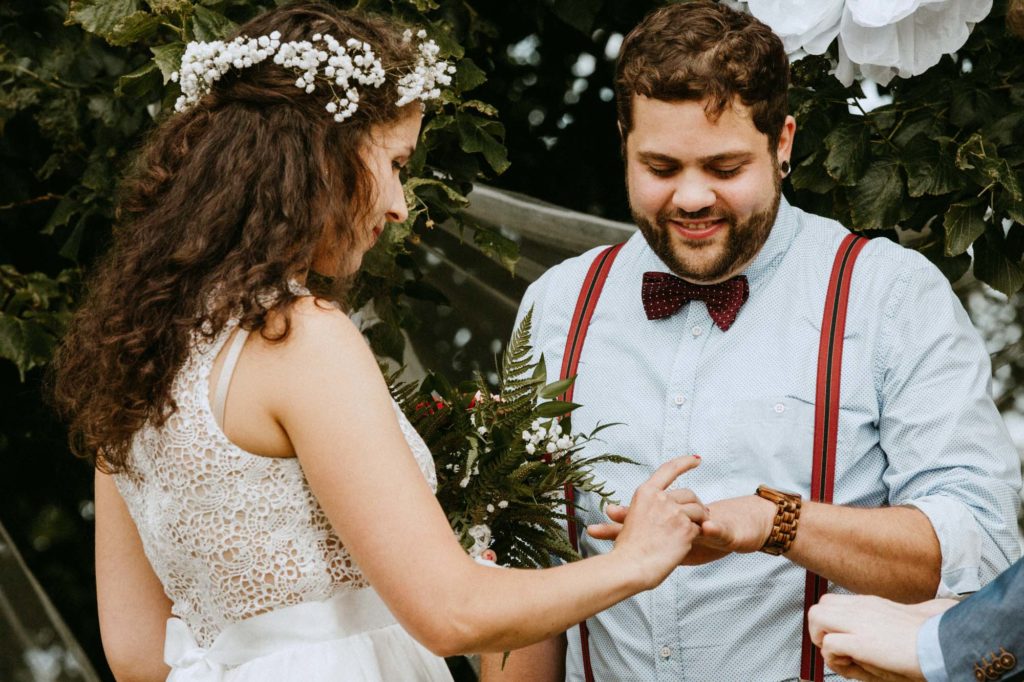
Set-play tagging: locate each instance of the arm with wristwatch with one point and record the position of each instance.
(890, 551)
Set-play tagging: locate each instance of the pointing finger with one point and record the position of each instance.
(668, 472)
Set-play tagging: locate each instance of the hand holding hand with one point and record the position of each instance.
(870, 638)
(661, 525)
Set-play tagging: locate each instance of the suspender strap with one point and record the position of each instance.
(826, 423)
(590, 292)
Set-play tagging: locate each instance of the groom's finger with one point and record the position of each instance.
(671, 470)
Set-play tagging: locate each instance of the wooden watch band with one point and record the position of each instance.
(787, 518)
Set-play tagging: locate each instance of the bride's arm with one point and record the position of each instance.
(133, 608)
(323, 386)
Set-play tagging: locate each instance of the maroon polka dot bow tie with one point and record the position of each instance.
(664, 294)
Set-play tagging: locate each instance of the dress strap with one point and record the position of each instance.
(220, 395)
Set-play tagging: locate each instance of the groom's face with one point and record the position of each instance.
(703, 192)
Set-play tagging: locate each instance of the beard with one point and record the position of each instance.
(697, 261)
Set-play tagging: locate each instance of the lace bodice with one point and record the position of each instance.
(229, 533)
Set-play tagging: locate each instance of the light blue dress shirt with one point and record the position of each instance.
(917, 427)
(929, 651)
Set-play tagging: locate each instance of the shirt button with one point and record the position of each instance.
(666, 652)
(697, 331)
(779, 408)
(680, 399)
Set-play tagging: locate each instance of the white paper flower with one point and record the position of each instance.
(878, 39)
(481, 535)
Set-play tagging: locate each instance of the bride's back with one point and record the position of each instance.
(230, 534)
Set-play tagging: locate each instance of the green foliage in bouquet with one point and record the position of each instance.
(503, 460)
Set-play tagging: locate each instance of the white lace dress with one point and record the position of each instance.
(262, 589)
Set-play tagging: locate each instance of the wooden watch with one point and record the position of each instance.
(787, 518)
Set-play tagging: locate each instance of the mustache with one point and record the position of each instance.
(706, 213)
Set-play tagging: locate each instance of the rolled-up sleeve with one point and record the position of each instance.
(948, 451)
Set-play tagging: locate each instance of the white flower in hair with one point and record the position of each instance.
(342, 68)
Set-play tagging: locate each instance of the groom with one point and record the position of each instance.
(926, 477)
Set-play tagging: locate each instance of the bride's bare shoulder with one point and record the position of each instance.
(311, 328)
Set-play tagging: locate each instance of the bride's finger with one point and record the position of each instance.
(604, 531)
(668, 472)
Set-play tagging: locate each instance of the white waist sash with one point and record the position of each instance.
(343, 615)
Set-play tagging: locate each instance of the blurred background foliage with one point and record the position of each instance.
(934, 162)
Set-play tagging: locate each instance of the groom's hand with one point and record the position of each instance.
(738, 524)
(617, 513)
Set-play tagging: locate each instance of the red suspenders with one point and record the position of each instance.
(589, 295)
(826, 423)
(830, 355)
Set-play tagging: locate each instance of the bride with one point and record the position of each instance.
(263, 509)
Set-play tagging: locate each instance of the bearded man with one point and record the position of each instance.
(926, 477)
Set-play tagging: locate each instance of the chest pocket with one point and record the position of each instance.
(770, 440)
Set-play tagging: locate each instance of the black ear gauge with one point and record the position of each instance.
(784, 167)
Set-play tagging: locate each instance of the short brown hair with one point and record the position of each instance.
(703, 50)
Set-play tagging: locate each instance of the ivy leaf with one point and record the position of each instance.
(971, 106)
(138, 82)
(930, 167)
(468, 76)
(497, 246)
(877, 200)
(982, 162)
(847, 152)
(480, 135)
(810, 175)
(993, 267)
(133, 28)
(100, 16)
(483, 107)
(386, 340)
(964, 223)
(208, 25)
(952, 268)
(168, 58)
(66, 208)
(25, 342)
(457, 199)
(580, 14)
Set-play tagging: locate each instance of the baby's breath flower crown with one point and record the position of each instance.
(341, 67)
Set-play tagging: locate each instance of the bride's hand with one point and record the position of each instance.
(661, 524)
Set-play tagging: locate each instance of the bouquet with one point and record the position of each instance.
(504, 460)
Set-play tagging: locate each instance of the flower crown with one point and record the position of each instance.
(342, 67)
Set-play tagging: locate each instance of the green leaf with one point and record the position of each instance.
(479, 135)
(580, 14)
(139, 82)
(810, 175)
(931, 167)
(456, 198)
(877, 200)
(468, 76)
(964, 222)
(554, 408)
(981, 160)
(497, 246)
(66, 208)
(993, 267)
(386, 340)
(133, 28)
(208, 25)
(100, 16)
(952, 268)
(553, 390)
(25, 342)
(847, 152)
(168, 58)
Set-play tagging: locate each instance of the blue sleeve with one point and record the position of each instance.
(929, 653)
(986, 631)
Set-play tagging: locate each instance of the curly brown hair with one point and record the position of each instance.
(222, 209)
(703, 50)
